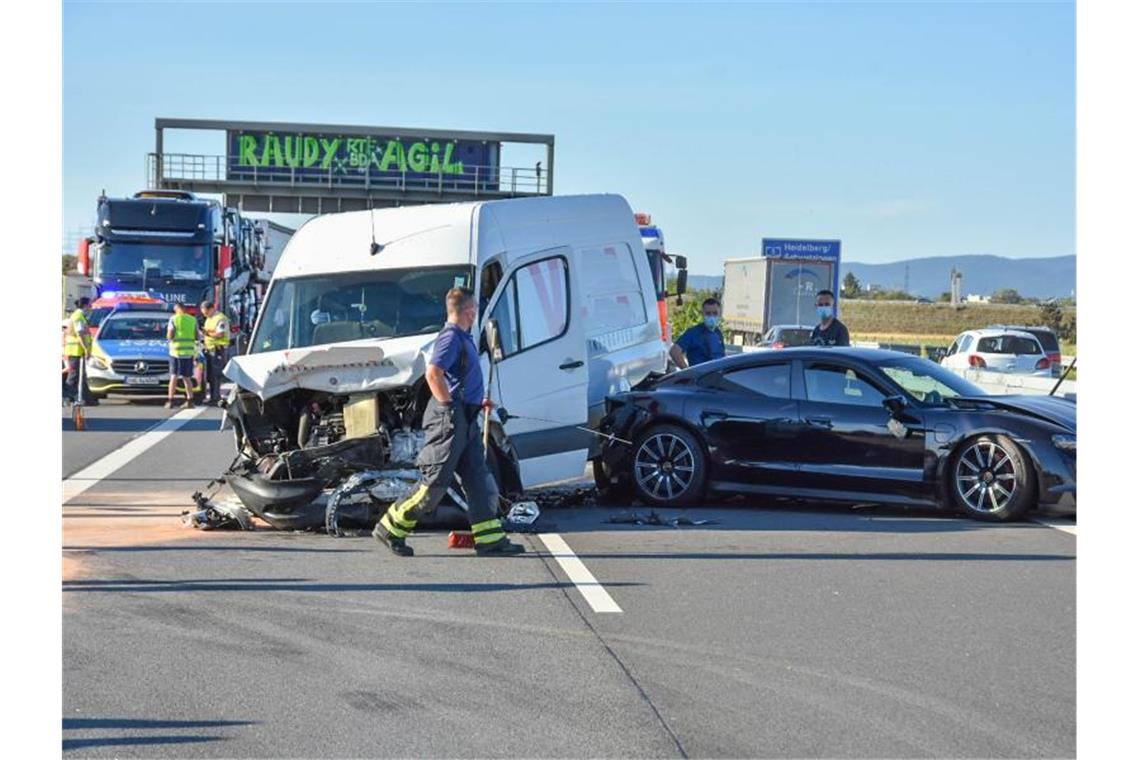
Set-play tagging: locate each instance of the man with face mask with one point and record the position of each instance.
(703, 342)
(452, 441)
(830, 331)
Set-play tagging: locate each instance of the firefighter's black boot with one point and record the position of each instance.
(501, 548)
(397, 545)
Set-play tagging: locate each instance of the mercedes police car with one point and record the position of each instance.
(129, 354)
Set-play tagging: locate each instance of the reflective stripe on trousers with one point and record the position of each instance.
(452, 446)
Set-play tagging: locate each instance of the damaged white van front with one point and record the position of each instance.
(333, 381)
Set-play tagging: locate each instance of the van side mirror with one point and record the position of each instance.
(682, 281)
(895, 404)
(490, 340)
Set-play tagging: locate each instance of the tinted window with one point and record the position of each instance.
(832, 384)
(795, 337)
(953, 349)
(1008, 344)
(967, 341)
(772, 380)
(1048, 340)
(135, 328)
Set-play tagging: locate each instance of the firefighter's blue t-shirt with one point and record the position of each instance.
(450, 345)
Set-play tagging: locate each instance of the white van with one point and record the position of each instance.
(337, 357)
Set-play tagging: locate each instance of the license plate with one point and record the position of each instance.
(144, 380)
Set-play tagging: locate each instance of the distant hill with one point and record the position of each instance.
(1054, 277)
(1039, 278)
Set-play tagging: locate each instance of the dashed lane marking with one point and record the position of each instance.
(593, 592)
(101, 468)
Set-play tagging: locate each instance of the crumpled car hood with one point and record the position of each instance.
(359, 366)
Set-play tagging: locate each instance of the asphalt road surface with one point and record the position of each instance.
(781, 631)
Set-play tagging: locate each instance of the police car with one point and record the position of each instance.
(130, 354)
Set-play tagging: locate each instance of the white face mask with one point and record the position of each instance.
(278, 318)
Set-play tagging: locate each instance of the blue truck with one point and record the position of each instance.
(178, 247)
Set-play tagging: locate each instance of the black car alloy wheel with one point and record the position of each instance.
(990, 479)
(668, 466)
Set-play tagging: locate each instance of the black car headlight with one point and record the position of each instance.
(1065, 442)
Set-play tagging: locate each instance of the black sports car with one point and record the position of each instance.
(849, 424)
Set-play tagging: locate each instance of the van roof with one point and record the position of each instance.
(444, 234)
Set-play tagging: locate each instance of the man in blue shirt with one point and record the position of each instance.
(703, 342)
(452, 442)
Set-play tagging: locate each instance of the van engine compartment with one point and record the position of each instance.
(360, 447)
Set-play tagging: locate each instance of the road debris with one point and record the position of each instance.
(228, 514)
(637, 518)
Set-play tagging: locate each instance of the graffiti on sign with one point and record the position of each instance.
(355, 160)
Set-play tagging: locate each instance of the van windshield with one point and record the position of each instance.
(384, 303)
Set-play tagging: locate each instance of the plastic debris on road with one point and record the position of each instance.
(637, 518)
(218, 515)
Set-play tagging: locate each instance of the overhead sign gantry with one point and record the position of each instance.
(318, 168)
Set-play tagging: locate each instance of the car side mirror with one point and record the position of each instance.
(895, 404)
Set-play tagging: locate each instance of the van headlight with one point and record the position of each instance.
(99, 363)
(1065, 442)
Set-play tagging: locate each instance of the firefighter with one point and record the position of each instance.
(217, 334)
(182, 332)
(452, 441)
(77, 347)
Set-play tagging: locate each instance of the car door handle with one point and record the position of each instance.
(822, 422)
(714, 414)
(571, 364)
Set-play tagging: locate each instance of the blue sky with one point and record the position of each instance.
(903, 129)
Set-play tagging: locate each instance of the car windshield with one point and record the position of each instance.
(925, 381)
(1008, 344)
(383, 303)
(98, 315)
(134, 260)
(134, 328)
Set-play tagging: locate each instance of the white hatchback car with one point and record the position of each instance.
(998, 350)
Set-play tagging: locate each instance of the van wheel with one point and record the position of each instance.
(610, 492)
(991, 479)
(668, 467)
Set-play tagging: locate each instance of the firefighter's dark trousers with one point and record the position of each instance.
(452, 446)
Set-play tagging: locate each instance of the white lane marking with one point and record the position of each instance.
(120, 457)
(595, 595)
(1063, 527)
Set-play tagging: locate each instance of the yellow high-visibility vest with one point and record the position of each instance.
(77, 341)
(185, 332)
(214, 323)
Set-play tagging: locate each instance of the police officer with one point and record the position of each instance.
(77, 347)
(453, 444)
(182, 333)
(217, 333)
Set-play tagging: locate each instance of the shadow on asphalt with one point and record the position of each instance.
(270, 584)
(70, 724)
(857, 556)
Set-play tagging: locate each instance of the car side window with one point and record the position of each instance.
(769, 380)
(953, 348)
(835, 384)
(967, 341)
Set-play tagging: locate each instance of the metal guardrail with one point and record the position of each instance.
(493, 180)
